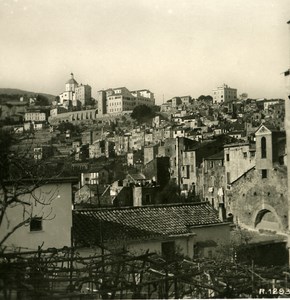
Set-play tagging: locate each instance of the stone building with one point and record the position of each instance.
(257, 199)
(150, 152)
(186, 156)
(83, 93)
(157, 170)
(239, 158)
(101, 148)
(211, 180)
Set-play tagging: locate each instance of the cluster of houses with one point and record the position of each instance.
(183, 182)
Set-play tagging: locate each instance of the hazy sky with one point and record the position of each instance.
(170, 47)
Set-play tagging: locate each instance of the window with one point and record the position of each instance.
(228, 177)
(187, 172)
(168, 250)
(36, 224)
(228, 156)
(264, 173)
(245, 154)
(263, 147)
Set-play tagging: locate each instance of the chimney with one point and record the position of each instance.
(137, 196)
(222, 212)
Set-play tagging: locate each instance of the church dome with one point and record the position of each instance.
(72, 80)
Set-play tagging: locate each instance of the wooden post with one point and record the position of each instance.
(287, 128)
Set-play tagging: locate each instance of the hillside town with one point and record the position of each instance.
(118, 172)
(143, 149)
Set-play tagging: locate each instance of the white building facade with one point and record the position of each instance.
(74, 93)
(118, 100)
(224, 94)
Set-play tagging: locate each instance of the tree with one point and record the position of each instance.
(143, 114)
(170, 194)
(207, 98)
(91, 102)
(41, 100)
(67, 126)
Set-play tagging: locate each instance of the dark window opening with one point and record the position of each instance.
(147, 199)
(263, 147)
(228, 177)
(264, 174)
(228, 157)
(36, 224)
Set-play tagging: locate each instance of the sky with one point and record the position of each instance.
(173, 48)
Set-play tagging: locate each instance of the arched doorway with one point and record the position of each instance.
(267, 220)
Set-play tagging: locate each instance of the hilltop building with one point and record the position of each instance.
(75, 94)
(224, 94)
(117, 100)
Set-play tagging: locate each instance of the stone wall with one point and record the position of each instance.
(252, 196)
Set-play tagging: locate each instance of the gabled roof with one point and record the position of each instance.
(266, 127)
(142, 222)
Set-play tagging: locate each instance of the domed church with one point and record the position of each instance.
(74, 95)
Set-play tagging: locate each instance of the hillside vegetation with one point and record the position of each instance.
(7, 94)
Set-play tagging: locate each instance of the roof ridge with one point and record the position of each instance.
(147, 206)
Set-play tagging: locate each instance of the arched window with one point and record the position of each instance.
(263, 147)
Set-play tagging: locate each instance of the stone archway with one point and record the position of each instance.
(267, 218)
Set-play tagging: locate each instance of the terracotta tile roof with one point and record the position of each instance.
(141, 222)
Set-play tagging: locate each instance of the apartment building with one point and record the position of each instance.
(35, 116)
(224, 94)
(118, 100)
